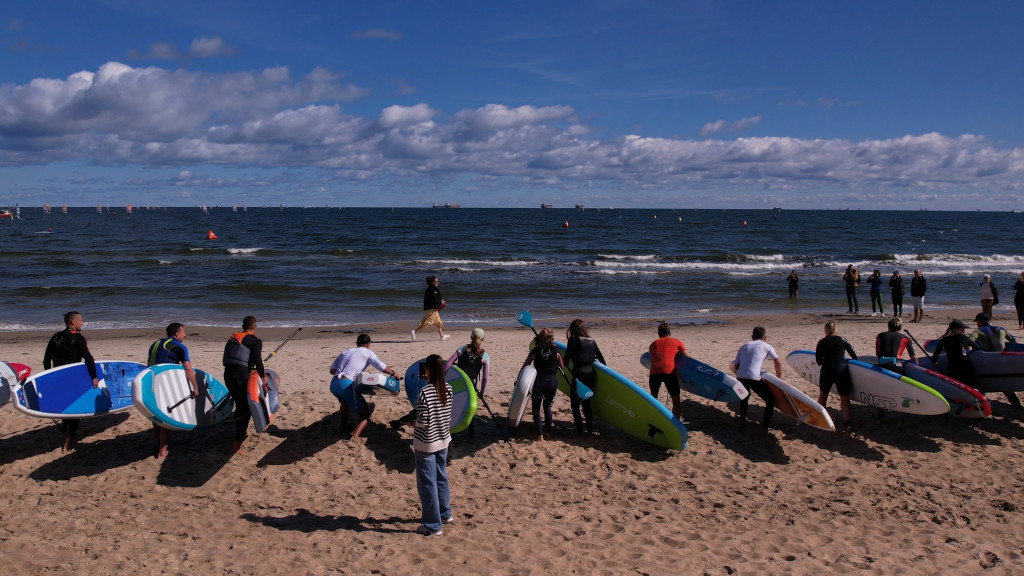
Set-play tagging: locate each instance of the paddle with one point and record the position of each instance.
(526, 319)
(924, 352)
(286, 340)
(493, 419)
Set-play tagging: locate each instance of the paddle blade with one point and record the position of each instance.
(525, 318)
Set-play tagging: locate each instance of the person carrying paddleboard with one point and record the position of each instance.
(747, 367)
(345, 368)
(430, 442)
(992, 338)
(433, 303)
(68, 347)
(243, 353)
(889, 348)
(663, 353)
(582, 351)
(545, 358)
(830, 354)
(474, 361)
(171, 350)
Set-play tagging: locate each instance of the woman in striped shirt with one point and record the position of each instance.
(430, 444)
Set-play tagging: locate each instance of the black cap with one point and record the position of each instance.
(957, 324)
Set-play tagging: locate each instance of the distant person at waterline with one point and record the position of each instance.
(918, 286)
(852, 279)
(794, 284)
(875, 293)
(989, 295)
(896, 284)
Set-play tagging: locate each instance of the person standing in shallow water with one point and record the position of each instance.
(433, 303)
(794, 284)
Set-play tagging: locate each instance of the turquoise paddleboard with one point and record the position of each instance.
(463, 401)
(620, 402)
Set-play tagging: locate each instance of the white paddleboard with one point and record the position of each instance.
(521, 395)
(793, 401)
(876, 386)
(162, 394)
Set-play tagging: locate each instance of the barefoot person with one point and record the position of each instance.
(346, 367)
(243, 353)
(830, 354)
(663, 353)
(747, 367)
(433, 303)
(68, 347)
(171, 350)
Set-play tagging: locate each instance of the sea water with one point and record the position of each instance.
(330, 266)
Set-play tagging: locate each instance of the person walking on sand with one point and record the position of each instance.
(546, 359)
(243, 353)
(431, 438)
(68, 347)
(433, 303)
(889, 348)
(896, 285)
(830, 354)
(747, 367)
(663, 352)
(345, 368)
(171, 350)
(852, 279)
(989, 295)
(582, 351)
(918, 286)
(992, 338)
(474, 361)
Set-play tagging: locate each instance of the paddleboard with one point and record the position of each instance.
(379, 381)
(11, 373)
(67, 392)
(702, 380)
(620, 402)
(161, 394)
(963, 400)
(521, 394)
(793, 401)
(264, 401)
(464, 394)
(876, 386)
(994, 371)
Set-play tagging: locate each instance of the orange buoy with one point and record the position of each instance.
(210, 235)
(744, 222)
(565, 224)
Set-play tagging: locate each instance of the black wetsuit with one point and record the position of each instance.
(831, 356)
(67, 347)
(582, 352)
(236, 378)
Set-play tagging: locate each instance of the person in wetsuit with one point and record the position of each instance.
(830, 354)
(243, 353)
(68, 347)
(582, 351)
(546, 359)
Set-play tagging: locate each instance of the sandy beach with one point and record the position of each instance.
(938, 496)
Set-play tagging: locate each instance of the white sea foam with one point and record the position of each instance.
(243, 250)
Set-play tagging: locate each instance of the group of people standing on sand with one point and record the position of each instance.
(897, 288)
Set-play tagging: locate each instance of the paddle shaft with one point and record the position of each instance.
(530, 325)
(282, 344)
(924, 352)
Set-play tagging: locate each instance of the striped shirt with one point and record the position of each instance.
(433, 420)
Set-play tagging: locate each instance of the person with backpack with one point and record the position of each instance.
(582, 351)
(474, 361)
(68, 347)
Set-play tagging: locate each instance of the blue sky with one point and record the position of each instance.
(608, 103)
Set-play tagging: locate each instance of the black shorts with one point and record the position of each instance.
(671, 382)
(835, 373)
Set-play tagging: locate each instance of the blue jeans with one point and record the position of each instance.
(432, 485)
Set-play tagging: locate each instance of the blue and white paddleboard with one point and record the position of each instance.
(378, 381)
(162, 394)
(67, 392)
(464, 394)
(702, 380)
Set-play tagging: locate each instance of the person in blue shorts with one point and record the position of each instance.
(346, 367)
